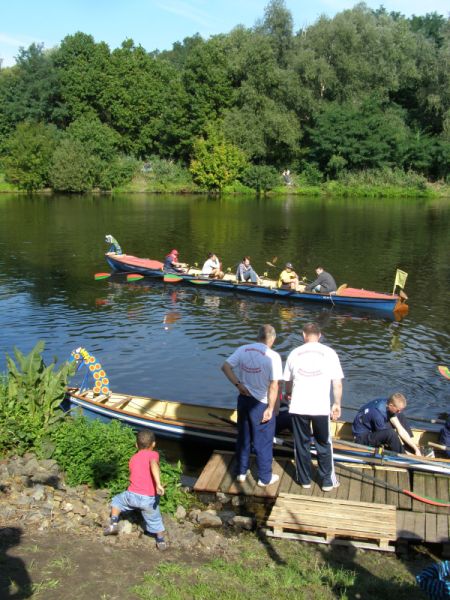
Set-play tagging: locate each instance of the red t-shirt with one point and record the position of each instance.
(141, 478)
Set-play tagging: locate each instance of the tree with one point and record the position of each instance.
(29, 152)
(216, 163)
(71, 168)
(260, 178)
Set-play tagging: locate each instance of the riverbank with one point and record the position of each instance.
(51, 544)
(143, 184)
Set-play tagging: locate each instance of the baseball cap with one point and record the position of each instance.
(289, 266)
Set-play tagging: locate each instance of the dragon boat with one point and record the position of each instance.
(215, 426)
(345, 296)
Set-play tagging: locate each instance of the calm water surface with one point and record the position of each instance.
(170, 341)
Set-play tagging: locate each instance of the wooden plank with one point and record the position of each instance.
(355, 486)
(418, 488)
(442, 491)
(430, 528)
(270, 491)
(367, 487)
(391, 496)
(333, 542)
(442, 528)
(213, 473)
(247, 487)
(379, 495)
(229, 476)
(404, 501)
(288, 477)
(406, 526)
(431, 492)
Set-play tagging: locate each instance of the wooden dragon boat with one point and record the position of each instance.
(344, 297)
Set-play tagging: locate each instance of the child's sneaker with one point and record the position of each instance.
(161, 544)
(111, 529)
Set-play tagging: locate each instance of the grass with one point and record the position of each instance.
(280, 570)
(6, 187)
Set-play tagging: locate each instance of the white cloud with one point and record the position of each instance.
(189, 11)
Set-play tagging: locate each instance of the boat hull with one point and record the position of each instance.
(350, 298)
(216, 427)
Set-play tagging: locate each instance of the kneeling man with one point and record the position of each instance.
(381, 422)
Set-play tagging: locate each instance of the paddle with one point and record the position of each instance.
(437, 421)
(445, 371)
(172, 278)
(394, 488)
(199, 281)
(130, 276)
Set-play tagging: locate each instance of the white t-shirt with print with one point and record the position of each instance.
(312, 367)
(209, 265)
(256, 365)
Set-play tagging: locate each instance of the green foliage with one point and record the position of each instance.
(71, 169)
(310, 174)
(97, 454)
(260, 178)
(29, 152)
(216, 163)
(30, 397)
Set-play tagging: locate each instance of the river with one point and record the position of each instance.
(169, 341)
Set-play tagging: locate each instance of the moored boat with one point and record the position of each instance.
(345, 296)
(216, 427)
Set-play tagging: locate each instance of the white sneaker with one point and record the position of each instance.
(242, 477)
(329, 488)
(306, 486)
(273, 480)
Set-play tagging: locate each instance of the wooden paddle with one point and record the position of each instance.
(130, 276)
(172, 278)
(445, 371)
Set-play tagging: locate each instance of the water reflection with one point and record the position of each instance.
(50, 248)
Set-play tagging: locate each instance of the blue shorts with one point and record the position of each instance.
(148, 505)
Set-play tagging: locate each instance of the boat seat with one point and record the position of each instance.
(341, 288)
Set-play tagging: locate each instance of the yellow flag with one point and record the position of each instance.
(400, 279)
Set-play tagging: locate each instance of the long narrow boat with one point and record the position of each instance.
(215, 427)
(345, 296)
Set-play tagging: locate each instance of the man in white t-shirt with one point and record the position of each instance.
(255, 369)
(310, 372)
(211, 267)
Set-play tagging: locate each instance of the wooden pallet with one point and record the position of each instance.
(334, 521)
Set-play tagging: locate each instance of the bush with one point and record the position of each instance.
(97, 454)
(71, 169)
(260, 178)
(30, 396)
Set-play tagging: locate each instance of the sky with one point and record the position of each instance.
(157, 24)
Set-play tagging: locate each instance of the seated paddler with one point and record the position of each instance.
(381, 422)
(288, 279)
(245, 271)
(171, 264)
(323, 284)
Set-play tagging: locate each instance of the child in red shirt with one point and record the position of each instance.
(144, 490)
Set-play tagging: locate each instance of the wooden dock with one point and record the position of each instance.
(415, 521)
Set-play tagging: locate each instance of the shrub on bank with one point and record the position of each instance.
(97, 454)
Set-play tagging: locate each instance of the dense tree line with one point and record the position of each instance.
(361, 91)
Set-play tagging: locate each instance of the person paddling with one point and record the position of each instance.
(171, 264)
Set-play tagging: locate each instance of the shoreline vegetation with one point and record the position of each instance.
(363, 185)
(354, 105)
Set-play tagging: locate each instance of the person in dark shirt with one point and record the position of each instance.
(171, 264)
(380, 422)
(324, 284)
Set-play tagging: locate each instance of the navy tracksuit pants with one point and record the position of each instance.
(301, 426)
(251, 432)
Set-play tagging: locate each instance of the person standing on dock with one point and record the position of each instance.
(310, 372)
(380, 422)
(255, 369)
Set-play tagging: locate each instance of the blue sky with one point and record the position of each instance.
(157, 24)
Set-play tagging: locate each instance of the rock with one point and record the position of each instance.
(187, 541)
(243, 522)
(38, 493)
(31, 467)
(237, 501)
(125, 528)
(193, 515)
(226, 516)
(223, 498)
(207, 519)
(212, 540)
(180, 513)
(79, 508)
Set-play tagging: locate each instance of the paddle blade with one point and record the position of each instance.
(171, 278)
(445, 371)
(134, 277)
(99, 276)
(199, 281)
